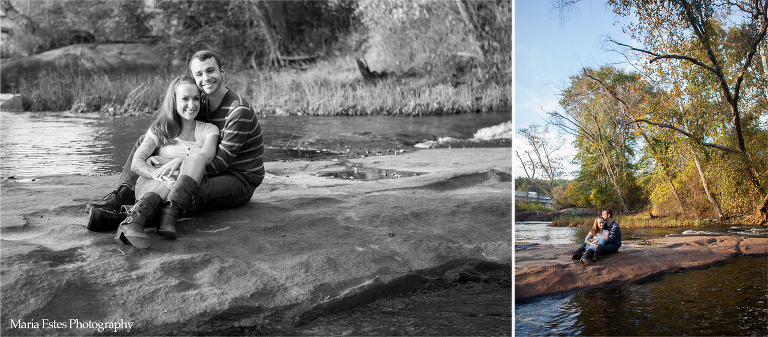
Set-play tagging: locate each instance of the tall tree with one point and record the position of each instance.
(542, 156)
(627, 109)
(725, 55)
(594, 119)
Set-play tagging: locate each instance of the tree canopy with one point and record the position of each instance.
(694, 111)
(423, 36)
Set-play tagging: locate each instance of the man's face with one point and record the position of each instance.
(605, 215)
(207, 75)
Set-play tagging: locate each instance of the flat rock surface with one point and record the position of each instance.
(303, 246)
(547, 270)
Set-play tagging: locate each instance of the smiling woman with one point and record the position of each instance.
(177, 170)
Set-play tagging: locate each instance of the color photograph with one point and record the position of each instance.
(641, 168)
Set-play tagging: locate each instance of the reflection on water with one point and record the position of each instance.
(728, 299)
(48, 143)
(361, 172)
(34, 144)
(539, 232)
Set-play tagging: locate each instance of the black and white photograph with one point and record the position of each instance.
(256, 168)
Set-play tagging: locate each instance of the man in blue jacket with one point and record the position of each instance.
(613, 241)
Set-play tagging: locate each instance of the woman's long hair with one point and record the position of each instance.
(167, 126)
(595, 227)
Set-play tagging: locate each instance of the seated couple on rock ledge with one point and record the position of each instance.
(203, 151)
(600, 240)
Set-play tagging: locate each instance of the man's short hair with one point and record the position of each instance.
(204, 55)
(609, 211)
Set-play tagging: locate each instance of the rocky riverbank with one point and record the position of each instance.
(304, 246)
(547, 270)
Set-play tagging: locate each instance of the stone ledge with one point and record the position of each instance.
(548, 270)
(302, 246)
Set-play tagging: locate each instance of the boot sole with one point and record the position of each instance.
(138, 240)
(168, 234)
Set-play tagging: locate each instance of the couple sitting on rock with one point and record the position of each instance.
(204, 151)
(600, 239)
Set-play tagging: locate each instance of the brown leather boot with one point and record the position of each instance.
(104, 220)
(122, 195)
(131, 230)
(180, 200)
(598, 251)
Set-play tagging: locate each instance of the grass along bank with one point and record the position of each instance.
(632, 221)
(332, 87)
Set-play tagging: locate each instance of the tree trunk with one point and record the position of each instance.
(472, 26)
(763, 59)
(273, 39)
(711, 198)
(368, 75)
(664, 169)
(614, 182)
(465, 14)
(277, 10)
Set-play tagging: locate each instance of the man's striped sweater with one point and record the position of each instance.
(241, 147)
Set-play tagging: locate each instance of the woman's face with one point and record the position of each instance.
(601, 224)
(187, 101)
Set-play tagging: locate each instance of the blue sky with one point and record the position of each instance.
(548, 52)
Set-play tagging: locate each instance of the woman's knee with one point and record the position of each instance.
(195, 158)
(193, 162)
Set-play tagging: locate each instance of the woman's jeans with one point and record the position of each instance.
(607, 248)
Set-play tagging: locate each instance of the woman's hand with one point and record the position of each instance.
(157, 161)
(165, 171)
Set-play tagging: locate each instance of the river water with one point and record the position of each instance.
(729, 299)
(536, 232)
(60, 143)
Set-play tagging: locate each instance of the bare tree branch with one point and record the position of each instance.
(670, 56)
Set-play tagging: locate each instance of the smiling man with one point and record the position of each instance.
(240, 155)
(234, 173)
